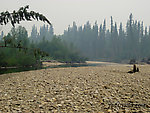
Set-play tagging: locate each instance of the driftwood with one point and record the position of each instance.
(135, 69)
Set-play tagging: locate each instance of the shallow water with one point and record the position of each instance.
(12, 70)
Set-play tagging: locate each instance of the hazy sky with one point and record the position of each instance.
(62, 13)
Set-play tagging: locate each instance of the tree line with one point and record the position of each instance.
(26, 51)
(95, 42)
(115, 44)
(59, 49)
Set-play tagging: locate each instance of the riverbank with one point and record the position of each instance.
(106, 88)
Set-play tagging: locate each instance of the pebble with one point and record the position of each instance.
(84, 89)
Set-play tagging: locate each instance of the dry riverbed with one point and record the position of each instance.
(76, 89)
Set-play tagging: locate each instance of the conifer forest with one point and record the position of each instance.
(80, 43)
(97, 42)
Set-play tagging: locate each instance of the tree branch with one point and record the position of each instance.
(21, 15)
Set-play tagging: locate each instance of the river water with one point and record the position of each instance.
(12, 70)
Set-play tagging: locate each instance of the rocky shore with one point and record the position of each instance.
(76, 89)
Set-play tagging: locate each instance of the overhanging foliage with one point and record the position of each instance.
(21, 15)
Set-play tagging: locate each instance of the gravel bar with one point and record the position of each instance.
(101, 89)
